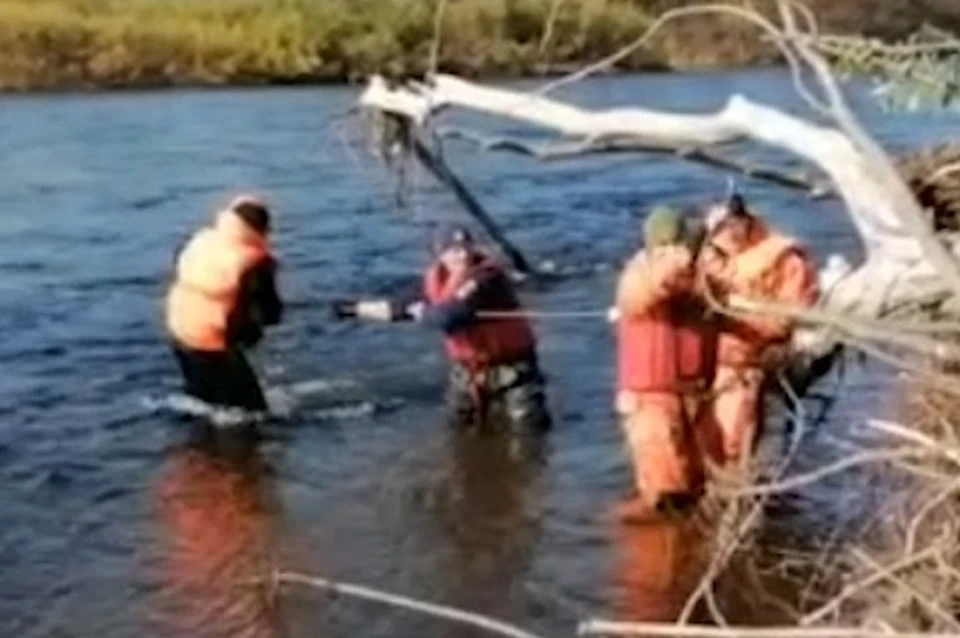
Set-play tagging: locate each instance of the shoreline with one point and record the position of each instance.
(68, 89)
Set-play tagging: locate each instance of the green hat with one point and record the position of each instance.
(663, 225)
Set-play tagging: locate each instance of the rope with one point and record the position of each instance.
(543, 314)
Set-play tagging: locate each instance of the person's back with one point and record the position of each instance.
(222, 297)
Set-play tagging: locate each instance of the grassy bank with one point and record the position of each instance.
(47, 44)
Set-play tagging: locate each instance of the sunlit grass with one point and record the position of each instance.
(106, 43)
(49, 43)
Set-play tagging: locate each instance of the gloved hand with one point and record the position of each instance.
(613, 314)
(377, 310)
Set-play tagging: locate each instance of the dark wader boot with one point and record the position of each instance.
(220, 378)
(508, 397)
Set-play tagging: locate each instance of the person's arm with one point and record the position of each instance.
(261, 284)
(653, 279)
(460, 312)
(258, 304)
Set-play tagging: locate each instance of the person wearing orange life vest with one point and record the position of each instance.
(665, 358)
(745, 260)
(222, 297)
(494, 369)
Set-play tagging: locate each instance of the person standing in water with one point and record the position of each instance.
(745, 260)
(665, 358)
(223, 296)
(469, 297)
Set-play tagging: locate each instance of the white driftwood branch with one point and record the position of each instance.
(877, 221)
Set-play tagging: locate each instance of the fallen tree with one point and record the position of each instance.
(909, 269)
(903, 298)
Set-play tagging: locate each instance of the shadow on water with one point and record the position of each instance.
(214, 503)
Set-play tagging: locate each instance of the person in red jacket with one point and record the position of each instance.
(469, 297)
(665, 358)
(745, 260)
(223, 295)
(494, 367)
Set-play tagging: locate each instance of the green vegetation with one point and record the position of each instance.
(46, 44)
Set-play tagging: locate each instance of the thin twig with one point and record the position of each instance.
(931, 606)
(925, 511)
(437, 37)
(667, 630)
(393, 600)
(548, 26)
(911, 434)
(874, 578)
(699, 10)
(797, 482)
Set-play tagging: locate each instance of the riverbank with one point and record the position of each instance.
(104, 44)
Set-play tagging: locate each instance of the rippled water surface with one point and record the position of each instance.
(116, 522)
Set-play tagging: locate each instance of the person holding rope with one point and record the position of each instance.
(495, 375)
(222, 297)
(665, 358)
(744, 260)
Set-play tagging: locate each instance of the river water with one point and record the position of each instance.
(117, 522)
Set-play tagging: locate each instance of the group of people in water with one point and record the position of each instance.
(691, 373)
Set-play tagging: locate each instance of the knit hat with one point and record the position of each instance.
(664, 225)
(454, 236)
(252, 210)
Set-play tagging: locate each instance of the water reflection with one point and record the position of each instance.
(214, 506)
(658, 565)
(489, 520)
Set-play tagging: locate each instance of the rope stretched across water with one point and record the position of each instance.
(544, 314)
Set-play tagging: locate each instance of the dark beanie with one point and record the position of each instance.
(452, 237)
(254, 212)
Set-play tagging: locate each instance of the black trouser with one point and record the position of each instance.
(512, 393)
(222, 378)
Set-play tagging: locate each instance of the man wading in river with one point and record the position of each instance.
(491, 346)
(222, 297)
(745, 260)
(665, 351)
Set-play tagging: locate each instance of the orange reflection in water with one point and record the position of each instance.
(214, 518)
(658, 565)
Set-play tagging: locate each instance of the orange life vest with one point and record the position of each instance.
(670, 348)
(207, 284)
(753, 274)
(485, 342)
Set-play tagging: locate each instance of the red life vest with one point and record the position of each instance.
(484, 342)
(668, 349)
(207, 284)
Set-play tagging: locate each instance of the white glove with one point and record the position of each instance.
(376, 310)
(613, 314)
